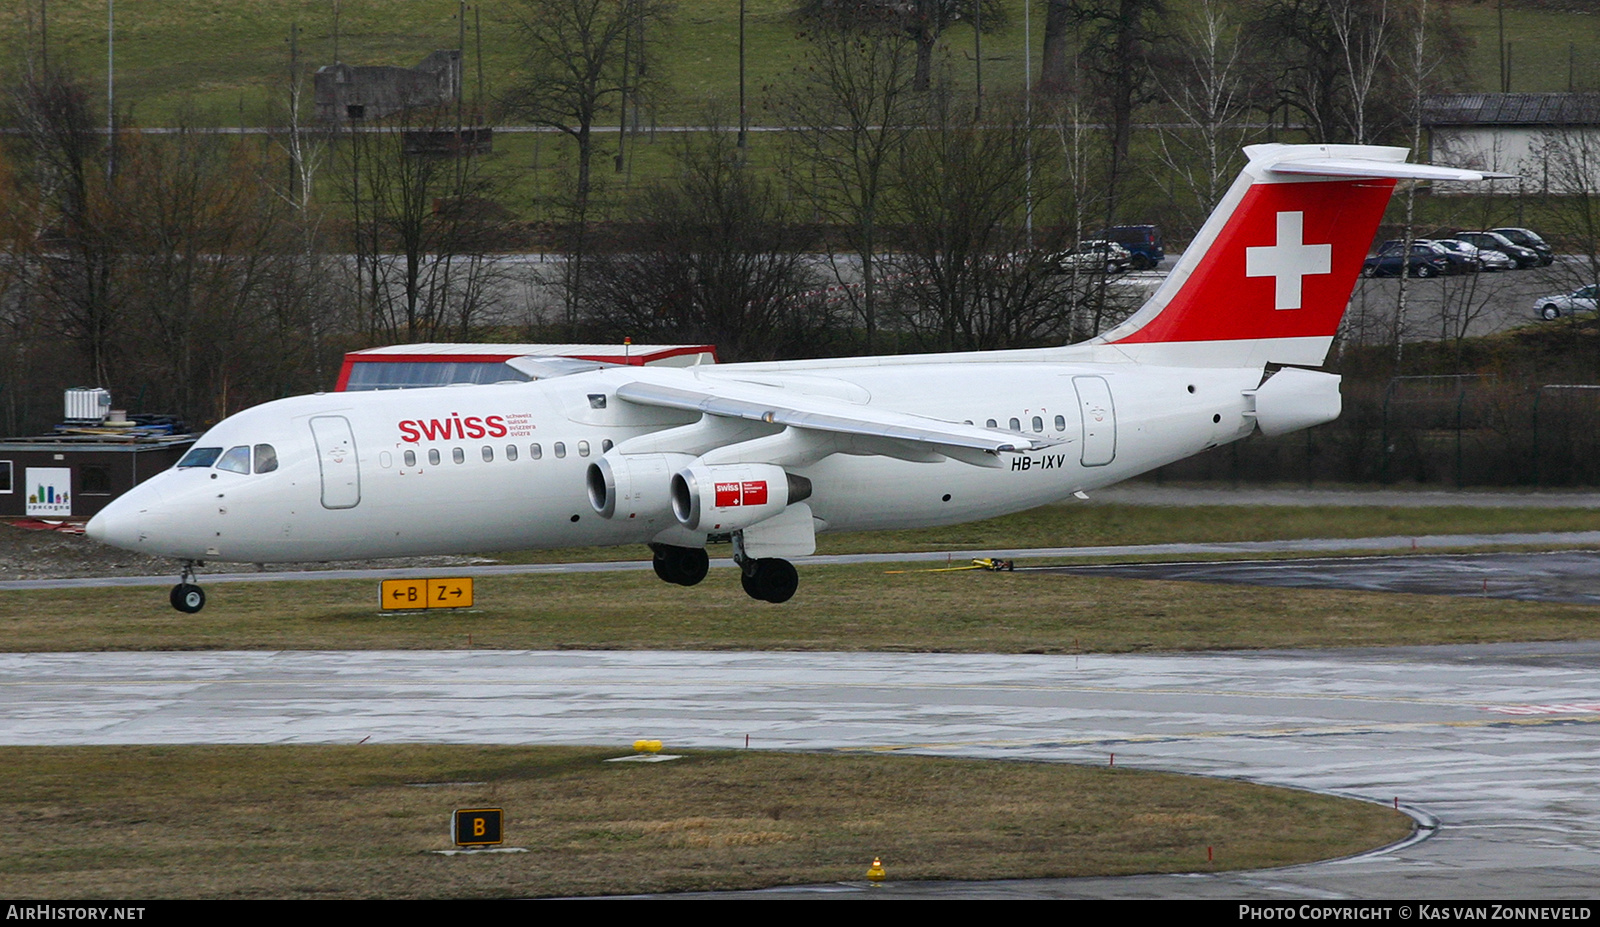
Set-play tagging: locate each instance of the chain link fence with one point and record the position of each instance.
(1448, 431)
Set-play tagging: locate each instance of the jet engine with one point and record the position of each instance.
(728, 497)
(633, 485)
(1294, 398)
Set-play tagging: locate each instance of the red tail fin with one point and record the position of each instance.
(1269, 276)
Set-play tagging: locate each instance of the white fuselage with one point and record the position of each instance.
(496, 467)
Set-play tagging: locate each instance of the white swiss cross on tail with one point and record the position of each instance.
(1289, 261)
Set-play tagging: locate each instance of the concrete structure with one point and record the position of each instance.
(346, 93)
(1551, 141)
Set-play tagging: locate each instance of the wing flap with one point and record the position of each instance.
(828, 416)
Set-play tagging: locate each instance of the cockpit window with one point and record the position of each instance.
(236, 460)
(200, 457)
(266, 458)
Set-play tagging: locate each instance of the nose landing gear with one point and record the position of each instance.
(187, 597)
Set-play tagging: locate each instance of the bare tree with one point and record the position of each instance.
(1207, 90)
(1572, 158)
(581, 60)
(852, 106)
(426, 230)
(1118, 41)
(714, 257)
(968, 269)
(64, 158)
(1345, 66)
(926, 21)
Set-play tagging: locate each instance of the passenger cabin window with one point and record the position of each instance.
(488, 454)
(583, 449)
(1061, 423)
(433, 456)
(561, 449)
(266, 458)
(535, 451)
(458, 455)
(511, 452)
(200, 457)
(1038, 423)
(236, 460)
(991, 423)
(411, 458)
(605, 445)
(1016, 425)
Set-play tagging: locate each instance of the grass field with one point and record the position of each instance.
(837, 609)
(229, 59)
(863, 607)
(360, 822)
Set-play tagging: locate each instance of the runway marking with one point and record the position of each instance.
(1264, 734)
(660, 684)
(1562, 709)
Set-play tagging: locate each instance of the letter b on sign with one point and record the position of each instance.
(477, 827)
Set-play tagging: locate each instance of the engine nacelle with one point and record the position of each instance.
(1293, 399)
(634, 485)
(728, 497)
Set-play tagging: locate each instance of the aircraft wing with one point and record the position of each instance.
(819, 414)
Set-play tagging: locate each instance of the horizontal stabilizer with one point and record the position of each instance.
(1363, 167)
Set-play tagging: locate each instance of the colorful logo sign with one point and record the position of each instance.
(49, 491)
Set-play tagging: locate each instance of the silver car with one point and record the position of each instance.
(1488, 260)
(1583, 299)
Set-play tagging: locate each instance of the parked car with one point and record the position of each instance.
(1494, 241)
(1583, 299)
(1094, 256)
(1488, 260)
(1142, 241)
(1425, 260)
(1527, 238)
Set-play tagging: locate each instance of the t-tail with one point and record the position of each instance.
(1269, 276)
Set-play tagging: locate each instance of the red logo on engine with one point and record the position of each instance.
(749, 492)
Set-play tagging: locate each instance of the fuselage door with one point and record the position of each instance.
(1099, 420)
(336, 456)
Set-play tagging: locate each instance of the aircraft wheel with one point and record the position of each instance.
(684, 566)
(693, 564)
(188, 598)
(771, 580)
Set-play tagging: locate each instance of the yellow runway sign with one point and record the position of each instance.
(425, 593)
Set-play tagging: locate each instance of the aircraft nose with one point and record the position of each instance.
(115, 525)
(119, 524)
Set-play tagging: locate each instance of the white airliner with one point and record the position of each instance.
(767, 455)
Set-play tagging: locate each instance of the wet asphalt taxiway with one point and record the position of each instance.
(1495, 750)
(1553, 576)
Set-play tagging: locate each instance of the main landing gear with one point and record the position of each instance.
(767, 579)
(685, 566)
(186, 597)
